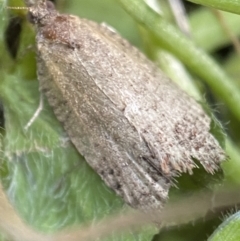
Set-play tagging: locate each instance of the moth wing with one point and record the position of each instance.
(132, 124)
(173, 125)
(99, 130)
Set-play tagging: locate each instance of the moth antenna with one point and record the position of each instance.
(18, 8)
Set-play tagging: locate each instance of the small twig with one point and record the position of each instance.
(227, 30)
(180, 15)
(36, 114)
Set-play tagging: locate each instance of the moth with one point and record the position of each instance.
(134, 126)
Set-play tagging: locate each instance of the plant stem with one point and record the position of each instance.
(190, 54)
(232, 6)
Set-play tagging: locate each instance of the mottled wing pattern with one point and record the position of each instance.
(101, 133)
(134, 126)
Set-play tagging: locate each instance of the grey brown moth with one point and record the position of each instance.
(132, 124)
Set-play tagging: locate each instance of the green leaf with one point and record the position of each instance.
(229, 230)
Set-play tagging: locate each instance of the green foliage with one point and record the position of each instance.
(228, 230)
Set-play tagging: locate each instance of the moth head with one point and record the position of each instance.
(42, 12)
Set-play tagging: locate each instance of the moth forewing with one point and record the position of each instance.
(133, 125)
